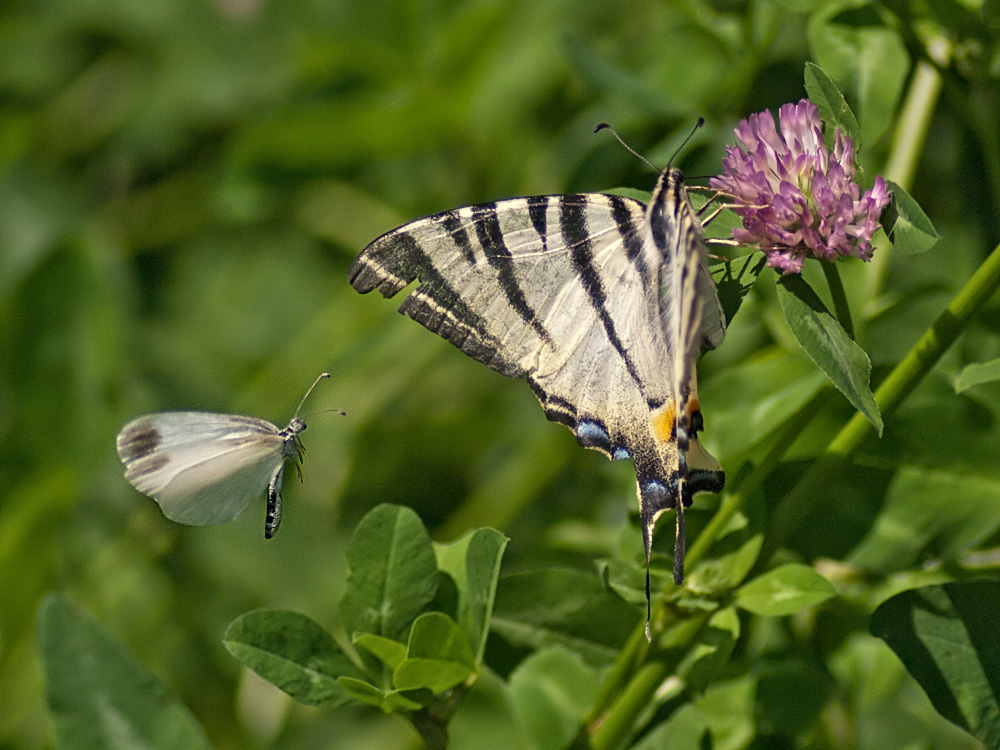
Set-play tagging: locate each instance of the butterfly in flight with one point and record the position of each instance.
(203, 469)
(602, 302)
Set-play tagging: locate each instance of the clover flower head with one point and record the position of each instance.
(796, 198)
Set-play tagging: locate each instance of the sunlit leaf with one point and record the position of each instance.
(906, 223)
(977, 374)
(393, 573)
(834, 110)
(784, 591)
(473, 562)
(293, 652)
(828, 345)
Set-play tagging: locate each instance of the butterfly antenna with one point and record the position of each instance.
(701, 121)
(315, 382)
(605, 126)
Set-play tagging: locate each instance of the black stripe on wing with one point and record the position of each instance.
(395, 260)
(590, 431)
(490, 236)
(573, 223)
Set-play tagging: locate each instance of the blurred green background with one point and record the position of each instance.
(183, 185)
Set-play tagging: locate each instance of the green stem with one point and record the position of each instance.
(840, 305)
(733, 502)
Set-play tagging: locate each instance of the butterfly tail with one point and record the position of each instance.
(655, 498)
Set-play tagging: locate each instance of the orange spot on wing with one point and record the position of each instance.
(663, 423)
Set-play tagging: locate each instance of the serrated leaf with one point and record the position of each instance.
(552, 691)
(828, 345)
(948, 639)
(99, 694)
(293, 652)
(907, 225)
(389, 701)
(784, 591)
(563, 607)
(833, 107)
(393, 573)
(977, 374)
(389, 652)
(473, 563)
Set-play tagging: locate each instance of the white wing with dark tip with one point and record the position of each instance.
(202, 469)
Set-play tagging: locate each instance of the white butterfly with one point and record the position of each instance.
(204, 469)
(601, 301)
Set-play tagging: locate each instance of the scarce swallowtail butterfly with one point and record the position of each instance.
(602, 302)
(203, 469)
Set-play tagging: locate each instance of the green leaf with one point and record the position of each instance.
(710, 654)
(293, 652)
(870, 59)
(552, 690)
(473, 562)
(948, 512)
(784, 591)
(721, 718)
(99, 695)
(833, 108)
(977, 374)
(907, 225)
(393, 573)
(828, 345)
(391, 701)
(438, 656)
(390, 652)
(948, 639)
(732, 556)
(563, 607)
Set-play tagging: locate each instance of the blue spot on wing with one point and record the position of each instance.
(592, 434)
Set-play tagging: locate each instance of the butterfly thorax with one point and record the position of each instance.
(293, 445)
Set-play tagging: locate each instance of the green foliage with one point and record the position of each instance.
(393, 578)
(99, 695)
(947, 638)
(828, 345)
(183, 186)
